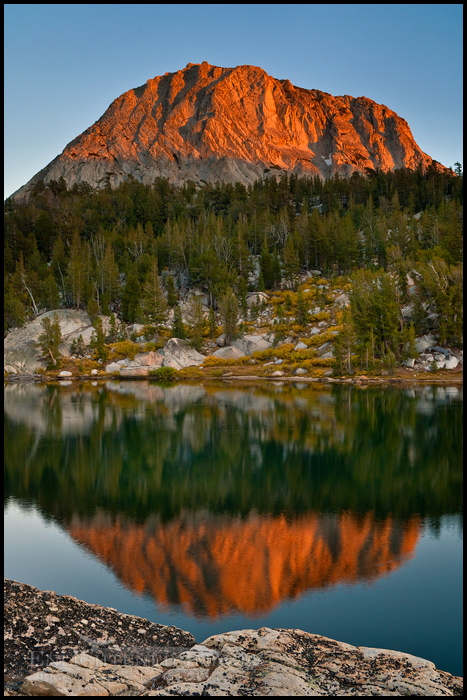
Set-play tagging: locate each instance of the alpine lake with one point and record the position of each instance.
(335, 509)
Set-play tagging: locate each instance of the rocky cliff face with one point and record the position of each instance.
(206, 123)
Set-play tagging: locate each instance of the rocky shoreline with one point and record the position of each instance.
(259, 353)
(58, 645)
(402, 379)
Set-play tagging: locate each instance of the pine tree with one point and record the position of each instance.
(77, 346)
(242, 295)
(51, 293)
(59, 266)
(291, 263)
(212, 322)
(228, 310)
(153, 302)
(178, 329)
(374, 308)
(98, 339)
(172, 298)
(14, 310)
(198, 323)
(266, 268)
(112, 334)
(302, 309)
(110, 276)
(130, 297)
(344, 345)
(410, 346)
(50, 338)
(93, 309)
(78, 270)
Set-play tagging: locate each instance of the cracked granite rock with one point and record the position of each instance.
(267, 661)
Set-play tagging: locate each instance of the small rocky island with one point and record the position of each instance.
(58, 645)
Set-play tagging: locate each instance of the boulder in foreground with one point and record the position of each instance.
(81, 649)
(253, 662)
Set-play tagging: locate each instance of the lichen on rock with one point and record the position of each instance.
(96, 642)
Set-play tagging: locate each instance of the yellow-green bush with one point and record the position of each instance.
(282, 352)
(212, 361)
(299, 355)
(321, 316)
(190, 373)
(152, 346)
(125, 348)
(297, 328)
(321, 338)
(164, 374)
(312, 363)
(339, 282)
(339, 315)
(307, 285)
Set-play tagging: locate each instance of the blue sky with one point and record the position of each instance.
(64, 64)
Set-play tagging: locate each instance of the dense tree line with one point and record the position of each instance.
(112, 250)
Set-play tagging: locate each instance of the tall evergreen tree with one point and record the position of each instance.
(228, 310)
(291, 262)
(344, 345)
(178, 328)
(78, 270)
(198, 322)
(153, 302)
(50, 338)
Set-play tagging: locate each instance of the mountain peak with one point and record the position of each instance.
(207, 123)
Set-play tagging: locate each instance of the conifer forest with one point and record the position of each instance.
(135, 251)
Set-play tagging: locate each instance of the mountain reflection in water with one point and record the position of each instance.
(219, 499)
(215, 565)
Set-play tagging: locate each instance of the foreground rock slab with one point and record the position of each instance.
(42, 628)
(253, 662)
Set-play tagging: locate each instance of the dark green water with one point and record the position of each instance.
(336, 510)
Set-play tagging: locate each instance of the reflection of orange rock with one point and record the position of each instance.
(214, 565)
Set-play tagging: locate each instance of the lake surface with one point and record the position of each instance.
(332, 509)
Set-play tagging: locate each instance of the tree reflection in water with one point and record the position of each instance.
(222, 499)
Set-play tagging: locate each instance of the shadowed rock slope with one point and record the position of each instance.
(207, 123)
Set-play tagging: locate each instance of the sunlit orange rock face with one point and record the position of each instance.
(223, 565)
(206, 123)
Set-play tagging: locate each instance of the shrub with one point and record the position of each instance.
(321, 338)
(212, 361)
(312, 363)
(164, 374)
(282, 352)
(152, 346)
(321, 316)
(190, 373)
(125, 348)
(299, 355)
(297, 328)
